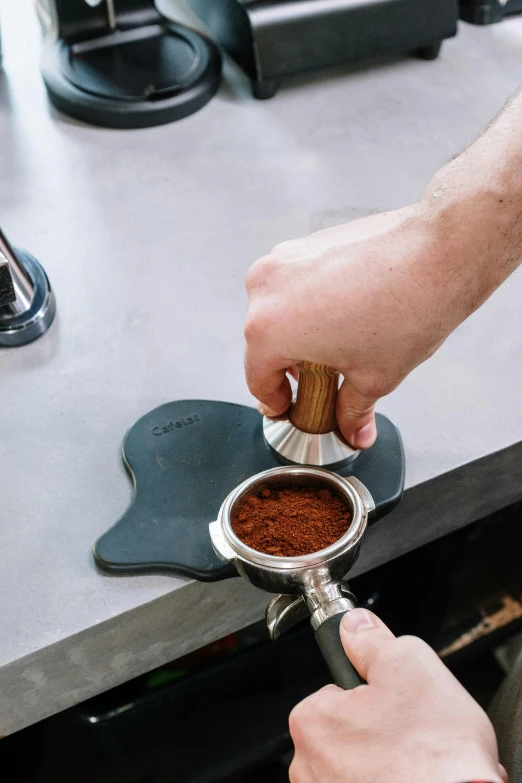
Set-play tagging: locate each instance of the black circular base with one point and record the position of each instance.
(135, 78)
(23, 329)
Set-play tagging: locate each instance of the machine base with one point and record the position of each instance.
(24, 328)
(143, 71)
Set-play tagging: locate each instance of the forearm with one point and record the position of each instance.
(475, 203)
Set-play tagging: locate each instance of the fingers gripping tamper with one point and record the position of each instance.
(308, 433)
(27, 304)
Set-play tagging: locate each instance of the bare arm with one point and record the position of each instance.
(477, 201)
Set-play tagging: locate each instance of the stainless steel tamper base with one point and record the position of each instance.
(30, 316)
(295, 447)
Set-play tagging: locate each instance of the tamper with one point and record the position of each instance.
(308, 433)
(27, 303)
(309, 585)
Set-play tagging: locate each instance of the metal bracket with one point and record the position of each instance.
(285, 611)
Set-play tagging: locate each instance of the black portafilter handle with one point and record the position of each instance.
(329, 640)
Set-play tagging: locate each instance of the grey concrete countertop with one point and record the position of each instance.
(146, 236)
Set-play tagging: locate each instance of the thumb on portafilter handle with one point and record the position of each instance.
(328, 638)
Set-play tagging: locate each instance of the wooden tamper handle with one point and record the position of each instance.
(314, 407)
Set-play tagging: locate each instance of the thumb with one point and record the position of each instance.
(364, 637)
(356, 417)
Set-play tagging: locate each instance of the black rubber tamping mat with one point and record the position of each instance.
(184, 458)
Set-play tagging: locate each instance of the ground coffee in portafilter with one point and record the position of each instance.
(291, 522)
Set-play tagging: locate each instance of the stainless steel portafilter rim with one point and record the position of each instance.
(350, 540)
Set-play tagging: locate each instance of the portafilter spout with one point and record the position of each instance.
(309, 584)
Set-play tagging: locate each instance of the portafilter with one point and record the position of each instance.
(311, 584)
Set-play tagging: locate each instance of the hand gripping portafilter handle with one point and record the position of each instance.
(329, 641)
(314, 408)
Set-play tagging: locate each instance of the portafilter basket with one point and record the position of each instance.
(308, 584)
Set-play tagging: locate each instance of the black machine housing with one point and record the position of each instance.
(488, 11)
(271, 39)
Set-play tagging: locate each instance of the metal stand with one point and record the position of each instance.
(121, 64)
(28, 303)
